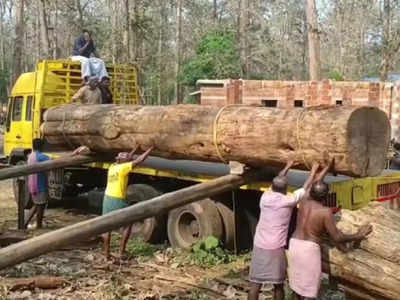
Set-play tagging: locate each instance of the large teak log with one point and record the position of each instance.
(357, 137)
(372, 268)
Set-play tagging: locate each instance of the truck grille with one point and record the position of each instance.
(387, 191)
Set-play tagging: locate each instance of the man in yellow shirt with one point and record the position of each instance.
(115, 195)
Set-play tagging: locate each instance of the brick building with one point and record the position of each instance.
(297, 94)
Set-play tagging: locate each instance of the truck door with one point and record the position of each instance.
(19, 124)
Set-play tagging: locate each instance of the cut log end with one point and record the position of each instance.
(368, 140)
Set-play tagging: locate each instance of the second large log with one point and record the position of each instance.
(357, 137)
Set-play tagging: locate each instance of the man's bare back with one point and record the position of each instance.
(311, 219)
(314, 220)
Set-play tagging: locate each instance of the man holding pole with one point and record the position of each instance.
(115, 195)
(37, 183)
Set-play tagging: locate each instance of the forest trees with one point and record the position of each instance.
(175, 42)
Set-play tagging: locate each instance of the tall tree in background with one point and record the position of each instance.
(178, 42)
(44, 30)
(391, 38)
(313, 40)
(19, 40)
(80, 14)
(127, 27)
(215, 11)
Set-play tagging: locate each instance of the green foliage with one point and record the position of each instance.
(196, 295)
(136, 247)
(208, 252)
(190, 100)
(336, 75)
(216, 58)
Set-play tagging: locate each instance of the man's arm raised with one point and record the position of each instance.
(141, 157)
(286, 169)
(340, 237)
(307, 185)
(324, 171)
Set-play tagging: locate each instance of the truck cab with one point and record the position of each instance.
(53, 83)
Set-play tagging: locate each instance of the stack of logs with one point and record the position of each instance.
(371, 270)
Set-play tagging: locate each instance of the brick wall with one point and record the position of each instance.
(289, 94)
(307, 93)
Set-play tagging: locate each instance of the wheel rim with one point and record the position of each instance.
(189, 228)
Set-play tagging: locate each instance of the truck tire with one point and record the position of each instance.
(152, 230)
(228, 220)
(193, 222)
(27, 199)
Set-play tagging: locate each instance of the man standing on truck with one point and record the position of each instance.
(268, 263)
(83, 50)
(37, 183)
(313, 221)
(115, 194)
(89, 93)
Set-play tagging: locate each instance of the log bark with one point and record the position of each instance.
(41, 282)
(375, 265)
(57, 239)
(358, 138)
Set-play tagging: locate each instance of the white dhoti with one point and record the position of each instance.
(92, 66)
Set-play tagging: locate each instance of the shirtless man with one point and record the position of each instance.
(313, 221)
(268, 262)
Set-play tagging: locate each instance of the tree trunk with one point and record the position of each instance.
(386, 51)
(244, 47)
(215, 12)
(134, 26)
(55, 36)
(114, 30)
(178, 41)
(357, 137)
(80, 14)
(19, 41)
(44, 32)
(239, 31)
(313, 40)
(160, 52)
(57, 239)
(2, 37)
(374, 266)
(127, 32)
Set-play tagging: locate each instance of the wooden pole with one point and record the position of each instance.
(51, 241)
(47, 165)
(21, 204)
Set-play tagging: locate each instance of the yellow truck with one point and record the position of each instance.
(230, 217)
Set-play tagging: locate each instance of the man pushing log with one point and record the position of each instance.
(268, 263)
(115, 195)
(313, 221)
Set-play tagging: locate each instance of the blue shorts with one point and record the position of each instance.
(111, 203)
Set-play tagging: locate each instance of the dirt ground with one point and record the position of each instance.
(152, 273)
